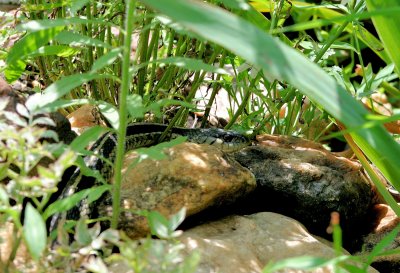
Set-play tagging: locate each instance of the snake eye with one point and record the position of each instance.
(228, 138)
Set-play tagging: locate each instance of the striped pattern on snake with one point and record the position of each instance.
(138, 135)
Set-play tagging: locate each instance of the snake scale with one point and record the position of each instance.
(137, 135)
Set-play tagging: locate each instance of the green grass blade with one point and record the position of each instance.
(286, 64)
(388, 28)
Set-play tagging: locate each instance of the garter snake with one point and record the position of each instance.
(137, 135)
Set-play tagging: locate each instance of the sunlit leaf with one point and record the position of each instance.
(158, 224)
(58, 50)
(60, 88)
(77, 39)
(37, 25)
(34, 232)
(110, 112)
(30, 43)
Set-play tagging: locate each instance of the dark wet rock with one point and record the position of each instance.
(301, 179)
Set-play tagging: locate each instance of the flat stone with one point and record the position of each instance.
(193, 176)
(301, 179)
(248, 243)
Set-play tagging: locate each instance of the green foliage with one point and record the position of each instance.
(83, 52)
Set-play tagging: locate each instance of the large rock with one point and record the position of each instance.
(299, 178)
(248, 243)
(193, 176)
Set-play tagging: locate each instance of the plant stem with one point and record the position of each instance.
(126, 80)
(154, 51)
(142, 54)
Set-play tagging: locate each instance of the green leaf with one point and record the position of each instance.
(156, 151)
(80, 143)
(110, 112)
(58, 50)
(192, 64)
(30, 43)
(281, 62)
(177, 219)
(14, 70)
(82, 235)
(77, 5)
(135, 106)
(76, 39)
(158, 224)
(387, 28)
(235, 4)
(107, 59)
(37, 25)
(34, 232)
(97, 192)
(4, 200)
(60, 103)
(156, 107)
(37, 102)
(69, 202)
(304, 263)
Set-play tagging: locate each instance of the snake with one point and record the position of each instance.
(138, 135)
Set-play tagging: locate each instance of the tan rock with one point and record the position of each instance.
(247, 243)
(83, 118)
(192, 176)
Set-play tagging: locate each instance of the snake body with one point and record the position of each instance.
(137, 135)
